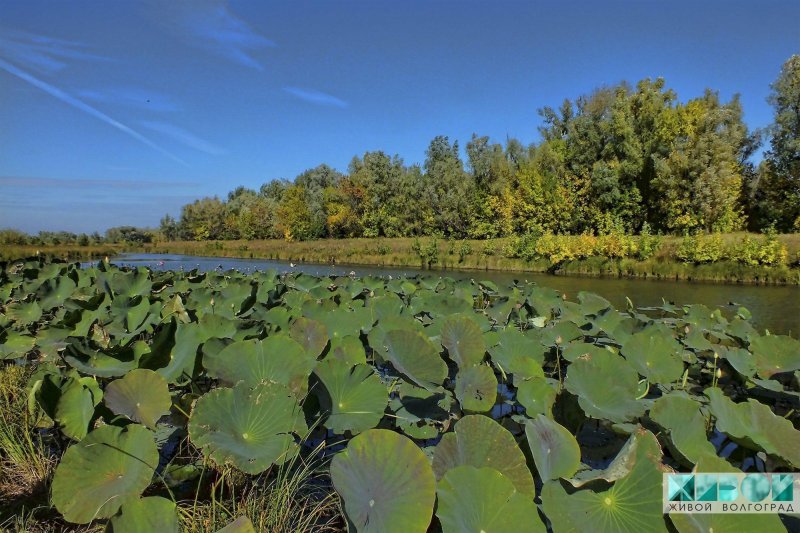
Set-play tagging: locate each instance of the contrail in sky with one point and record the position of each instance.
(86, 108)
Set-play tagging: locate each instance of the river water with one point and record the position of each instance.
(776, 308)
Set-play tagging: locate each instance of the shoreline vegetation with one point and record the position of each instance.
(728, 258)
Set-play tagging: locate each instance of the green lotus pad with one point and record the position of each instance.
(412, 354)
(476, 388)
(483, 499)
(631, 505)
(114, 465)
(141, 395)
(464, 340)
(386, 483)
(606, 386)
(250, 428)
(153, 513)
(555, 450)
(479, 441)
(354, 398)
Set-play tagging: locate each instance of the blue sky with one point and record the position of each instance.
(119, 112)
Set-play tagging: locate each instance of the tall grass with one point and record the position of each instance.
(298, 497)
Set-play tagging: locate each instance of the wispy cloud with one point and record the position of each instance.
(42, 54)
(27, 182)
(316, 97)
(184, 137)
(131, 97)
(212, 25)
(67, 98)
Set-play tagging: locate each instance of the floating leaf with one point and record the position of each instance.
(680, 415)
(606, 387)
(312, 335)
(631, 505)
(476, 388)
(479, 441)
(250, 428)
(386, 483)
(75, 408)
(114, 465)
(555, 450)
(412, 354)
(153, 513)
(14, 345)
(537, 396)
(655, 355)
(355, 398)
(141, 395)
(464, 340)
(483, 499)
(774, 354)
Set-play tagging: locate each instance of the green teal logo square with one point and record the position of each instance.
(782, 487)
(728, 487)
(681, 488)
(706, 487)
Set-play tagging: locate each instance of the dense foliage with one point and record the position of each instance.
(459, 405)
(613, 160)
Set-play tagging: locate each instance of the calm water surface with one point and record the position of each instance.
(775, 308)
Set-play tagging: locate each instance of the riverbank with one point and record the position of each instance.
(495, 254)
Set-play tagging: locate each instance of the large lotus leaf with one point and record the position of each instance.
(153, 513)
(349, 349)
(654, 355)
(574, 350)
(518, 354)
(483, 499)
(740, 359)
(250, 428)
(188, 338)
(128, 284)
(141, 395)
(355, 400)
(606, 387)
(631, 505)
(555, 450)
(697, 341)
(278, 358)
(106, 363)
(753, 422)
(311, 334)
(54, 292)
(386, 483)
(75, 407)
(476, 388)
(439, 304)
(775, 354)
(559, 333)
(174, 307)
(14, 345)
(537, 396)
(385, 306)
(413, 355)
(592, 304)
(464, 340)
(680, 415)
(130, 312)
(24, 313)
(51, 341)
(479, 441)
(341, 322)
(107, 469)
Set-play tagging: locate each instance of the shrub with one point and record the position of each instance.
(767, 251)
(464, 250)
(647, 245)
(699, 249)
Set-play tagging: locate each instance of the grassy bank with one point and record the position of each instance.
(495, 254)
(63, 251)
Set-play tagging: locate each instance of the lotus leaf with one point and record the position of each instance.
(464, 340)
(632, 504)
(680, 415)
(278, 359)
(250, 428)
(14, 345)
(355, 398)
(479, 441)
(24, 313)
(476, 388)
(483, 499)
(75, 407)
(606, 387)
(774, 354)
(349, 349)
(141, 395)
(386, 483)
(413, 355)
(312, 335)
(555, 450)
(106, 363)
(753, 423)
(537, 396)
(153, 513)
(114, 465)
(240, 525)
(654, 355)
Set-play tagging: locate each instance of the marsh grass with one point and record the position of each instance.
(295, 497)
